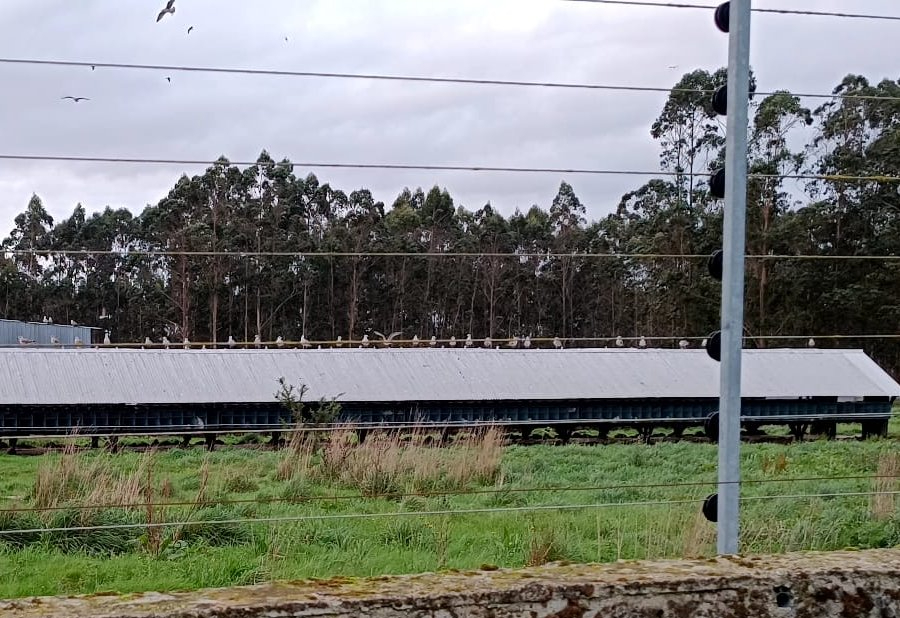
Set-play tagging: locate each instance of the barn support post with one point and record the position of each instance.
(733, 275)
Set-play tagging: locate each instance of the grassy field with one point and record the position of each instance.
(327, 487)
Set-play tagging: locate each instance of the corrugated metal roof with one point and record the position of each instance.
(85, 376)
(11, 330)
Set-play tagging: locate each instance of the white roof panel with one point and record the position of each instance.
(120, 376)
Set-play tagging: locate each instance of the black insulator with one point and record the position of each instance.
(722, 16)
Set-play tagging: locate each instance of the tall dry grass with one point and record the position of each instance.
(884, 503)
(80, 481)
(391, 462)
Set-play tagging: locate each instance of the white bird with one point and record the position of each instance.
(279, 341)
(170, 8)
(527, 343)
(24, 341)
(433, 342)
(469, 342)
(642, 343)
(811, 343)
(703, 343)
(620, 343)
(513, 342)
(54, 340)
(49, 320)
(78, 342)
(386, 341)
(46, 320)
(304, 341)
(453, 341)
(683, 344)
(165, 341)
(365, 342)
(415, 341)
(257, 340)
(187, 343)
(103, 314)
(148, 341)
(487, 343)
(340, 342)
(557, 343)
(73, 323)
(231, 341)
(106, 339)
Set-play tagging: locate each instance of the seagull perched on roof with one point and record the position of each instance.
(73, 323)
(527, 343)
(513, 342)
(340, 342)
(106, 339)
(165, 341)
(365, 342)
(78, 342)
(170, 8)
(187, 343)
(279, 341)
(620, 343)
(24, 340)
(557, 343)
(46, 320)
(487, 343)
(54, 340)
(683, 344)
(148, 341)
(433, 342)
(469, 342)
(415, 341)
(642, 343)
(231, 341)
(453, 341)
(703, 343)
(257, 340)
(304, 341)
(811, 343)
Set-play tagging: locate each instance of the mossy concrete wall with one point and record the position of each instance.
(846, 584)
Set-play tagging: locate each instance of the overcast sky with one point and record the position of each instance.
(202, 116)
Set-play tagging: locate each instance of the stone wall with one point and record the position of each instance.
(847, 584)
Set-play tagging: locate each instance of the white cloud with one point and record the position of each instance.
(200, 116)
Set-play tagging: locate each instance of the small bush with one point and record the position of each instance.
(206, 529)
(10, 522)
(105, 541)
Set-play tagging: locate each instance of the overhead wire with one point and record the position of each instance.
(838, 178)
(439, 494)
(126, 252)
(432, 513)
(412, 78)
(802, 12)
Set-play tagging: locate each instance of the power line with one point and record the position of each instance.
(437, 167)
(432, 494)
(679, 5)
(448, 512)
(410, 78)
(124, 253)
(340, 516)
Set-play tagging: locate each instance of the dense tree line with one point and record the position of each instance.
(555, 288)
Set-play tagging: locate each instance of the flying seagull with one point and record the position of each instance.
(75, 99)
(169, 79)
(190, 28)
(170, 8)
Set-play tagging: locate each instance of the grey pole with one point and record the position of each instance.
(733, 276)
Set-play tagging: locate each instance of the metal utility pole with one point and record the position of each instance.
(733, 276)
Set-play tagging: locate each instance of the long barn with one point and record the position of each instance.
(133, 391)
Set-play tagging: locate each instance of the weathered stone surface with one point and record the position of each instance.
(842, 584)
